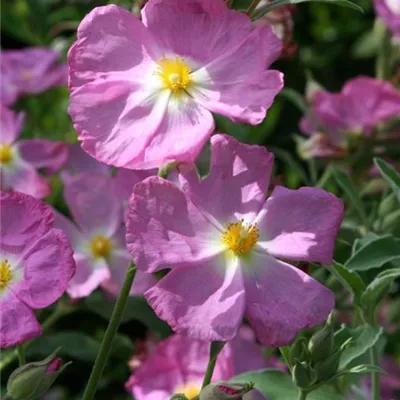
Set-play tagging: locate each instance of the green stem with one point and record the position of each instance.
(209, 371)
(383, 61)
(375, 376)
(21, 355)
(301, 394)
(252, 7)
(109, 335)
(325, 177)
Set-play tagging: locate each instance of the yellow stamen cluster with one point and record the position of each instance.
(27, 74)
(100, 246)
(190, 390)
(240, 238)
(5, 273)
(6, 154)
(175, 74)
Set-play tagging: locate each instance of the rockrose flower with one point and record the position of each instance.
(30, 71)
(389, 11)
(36, 265)
(20, 159)
(97, 237)
(142, 93)
(338, 120)
(225, 246)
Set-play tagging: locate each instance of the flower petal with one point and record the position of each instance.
(300, 224)
(237, 183)
(63, 223)
(48, 266)
(281, 300)
(112, 44)
(202, 301)
(10, 124)
(42, 153)
(165, 229)
(96, 209)
(88, 277)
(18, 322)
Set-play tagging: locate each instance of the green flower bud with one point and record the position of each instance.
(225, 391)
(327, 368)
(178, 397)
(302, 375)
(298, 351)
(33, 380)
(321, 344)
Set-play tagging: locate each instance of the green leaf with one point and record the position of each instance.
(375, 254)
(278, 3)
(361, 369)
(136, 309)
(352, 193)
(362, 339)
(350, 280)
(378, 288)
(276, 385)
(391, 176)
(295, 98)
(361, 242)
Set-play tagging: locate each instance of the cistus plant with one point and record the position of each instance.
(200, 200)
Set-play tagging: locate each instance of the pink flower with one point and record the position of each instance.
(98, 237)
(36, 265)
(338, 120)
(142, 93)
(389, 11)
(19, 159)
(33, 70)
(177, 365)
(223, 242)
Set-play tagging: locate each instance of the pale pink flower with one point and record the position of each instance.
(338, 120)
(20, 159)
(31, 70)
(142, 93)
(97, 237)
(36, 265)
(389, 11)
(223, 243)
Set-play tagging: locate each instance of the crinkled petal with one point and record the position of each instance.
(281, 300)
(94, 206)
(18, 323)
(48, 266)
(24, 220)
(300, 224)
(42, 153)
(10, 124)
(112, 44)
(238, 181)
(164, 229)
(89, 275)
(204, 301)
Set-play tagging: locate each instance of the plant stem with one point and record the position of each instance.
(383, 61)
(252, 7)
(301, 394)
(21, 355)
(109, 335)
(209, 371)
(375, 376)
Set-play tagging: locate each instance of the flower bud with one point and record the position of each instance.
(298, 351)
(178, 396)
(321, 344)
(225, 391)
(303, 376)
(325, 369)
(33, 380)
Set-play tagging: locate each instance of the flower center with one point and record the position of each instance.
(100, 246)
(240, 238)
(27, 74)
(175, 74)
(6, 154)
(190, 390)
(5, 273)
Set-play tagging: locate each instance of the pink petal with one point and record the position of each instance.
(388, 10)
(112, 44)
(10, 124)
(281, 300)
(95, 208)
(203, 301)
(237, 183)
(25, 179)
(89, 276)
(61, 222)
(300, 224)
(24, 220)
(165, 229)
(48, 266)
(42, 153)
(18, 322)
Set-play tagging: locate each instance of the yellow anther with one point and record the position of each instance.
(240, 238)
(6, 154)
(100, 246)
(5, 273)
(175, 74)
(190, 390)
